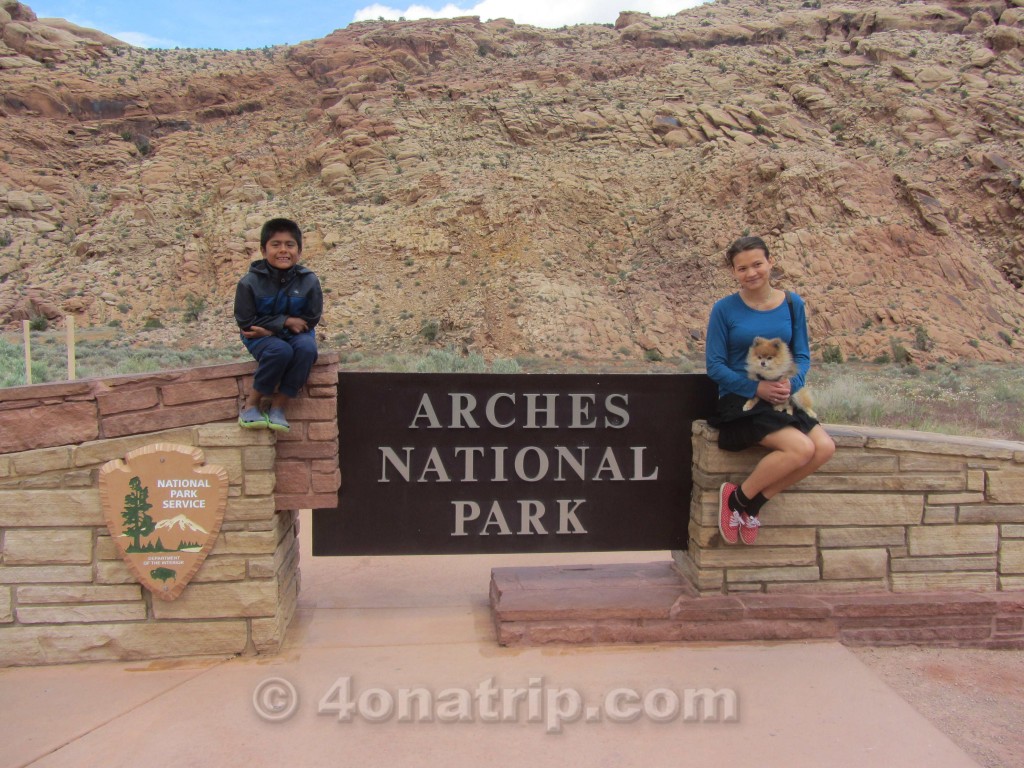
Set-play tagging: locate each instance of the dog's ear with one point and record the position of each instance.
(777, 343)
(758, 340)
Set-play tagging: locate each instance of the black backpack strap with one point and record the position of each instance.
(792, 319)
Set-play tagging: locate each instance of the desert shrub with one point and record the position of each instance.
(450, 361)
(922, 341)
(430, 329)
(900, 354)
(689, 365)
(194, 308)
(505, 365)
(832, 353)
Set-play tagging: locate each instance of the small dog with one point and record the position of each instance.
(771, 360)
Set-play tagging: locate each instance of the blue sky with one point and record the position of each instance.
(256, 23)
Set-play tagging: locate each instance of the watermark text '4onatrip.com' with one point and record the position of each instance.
(276, 699)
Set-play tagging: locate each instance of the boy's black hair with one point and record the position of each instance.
(274, 226)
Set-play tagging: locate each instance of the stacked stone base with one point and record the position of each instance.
(66, 595)
(651, 603)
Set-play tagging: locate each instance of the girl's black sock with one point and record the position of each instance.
(756, 503)
(739, 501)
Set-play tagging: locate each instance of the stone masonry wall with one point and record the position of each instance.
(66, 595)
(894, 511)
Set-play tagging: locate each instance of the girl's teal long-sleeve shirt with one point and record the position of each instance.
(731, 330)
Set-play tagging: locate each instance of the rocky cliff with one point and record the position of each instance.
(527, 191)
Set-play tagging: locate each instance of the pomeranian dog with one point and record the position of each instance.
(771, 360)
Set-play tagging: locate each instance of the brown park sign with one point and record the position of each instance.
(470, 463)
(164, 509)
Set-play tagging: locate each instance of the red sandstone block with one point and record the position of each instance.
(326, 483)
(323, 392)
(306, 450)
(785, 607)
(206, 372)
(127, 400)
(511, 634)
(910, 622)
(707, 609)
(748, 630)
(586, 603)
(166, 418)
(199, 391)
(313, 409)
(1010, 602)
(1006, 624)
(292, 477)
(1002, 644)
(295, 435)
(323, 377)
(306, 500)
(628, 631)
(58, 390)
(923, 635)
(322, 430)
(563, 632)
(324, 465)
(25, 429)
(918, 604)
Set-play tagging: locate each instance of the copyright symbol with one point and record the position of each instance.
(275, 699)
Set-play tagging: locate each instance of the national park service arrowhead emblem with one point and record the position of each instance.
(164, 509)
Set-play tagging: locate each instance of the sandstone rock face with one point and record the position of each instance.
(529, 191)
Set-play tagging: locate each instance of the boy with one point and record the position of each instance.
(277, 305)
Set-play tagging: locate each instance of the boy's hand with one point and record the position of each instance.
(256, 332)
(296, 325)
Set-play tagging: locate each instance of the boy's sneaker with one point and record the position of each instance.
(276, 420)
(728, 519)
(252, 418)
(749, 526)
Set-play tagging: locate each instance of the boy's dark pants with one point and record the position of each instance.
(283, 364)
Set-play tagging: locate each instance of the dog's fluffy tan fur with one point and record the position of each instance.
(771, 360)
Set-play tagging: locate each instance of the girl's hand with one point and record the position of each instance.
(774, 392)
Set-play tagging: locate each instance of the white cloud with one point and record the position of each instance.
(142, 40)
(539, 13)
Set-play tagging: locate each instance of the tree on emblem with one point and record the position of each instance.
(136, 522)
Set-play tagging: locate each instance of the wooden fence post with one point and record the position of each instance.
(69, 328)
(28, 351)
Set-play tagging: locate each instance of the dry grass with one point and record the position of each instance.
(978, 399)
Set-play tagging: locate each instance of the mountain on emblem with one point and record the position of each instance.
(181, 522)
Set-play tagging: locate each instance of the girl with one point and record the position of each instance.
(797, 444)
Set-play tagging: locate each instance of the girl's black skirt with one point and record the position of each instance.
(739, 429)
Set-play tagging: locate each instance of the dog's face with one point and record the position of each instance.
(769, 359)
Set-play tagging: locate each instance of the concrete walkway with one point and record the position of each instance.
(389, 625)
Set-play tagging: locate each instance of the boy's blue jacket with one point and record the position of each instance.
(266, 297)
